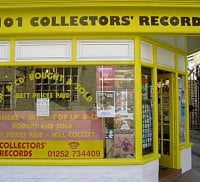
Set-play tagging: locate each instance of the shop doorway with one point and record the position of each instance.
(165, 118)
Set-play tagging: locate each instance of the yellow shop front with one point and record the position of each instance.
(97, 85)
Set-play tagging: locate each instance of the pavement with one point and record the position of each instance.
(194, 174)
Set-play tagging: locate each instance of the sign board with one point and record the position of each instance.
(61, 135)
(132, 20)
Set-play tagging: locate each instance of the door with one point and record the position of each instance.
(165, 119)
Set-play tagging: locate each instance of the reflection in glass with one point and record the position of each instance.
(166, 147)
(166, 132)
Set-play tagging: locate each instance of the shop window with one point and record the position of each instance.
(147, 110)
(182, 108)
(85, 111)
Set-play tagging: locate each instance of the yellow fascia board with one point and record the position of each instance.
(112, 3)
(67, 20)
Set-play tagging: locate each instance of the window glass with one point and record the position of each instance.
(5, 97)
(67, 112)
(182, 115)
(147, 116)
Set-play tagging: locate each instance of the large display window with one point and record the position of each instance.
(67, 112)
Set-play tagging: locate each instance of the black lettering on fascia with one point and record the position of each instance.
(45, 21)
(63, 21)
(164, 20)
(185, 21)
(126, 20)
(195, 21)
(93, 19)
(83, 20)
(174, 21)
(114, 20)
(144, 20)
(154, 20)
(34, 21)
(54, 21)
(8, 22)
(73, 20)
(103, 20)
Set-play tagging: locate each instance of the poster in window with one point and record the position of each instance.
(105, 103)
(42, 107)
(145, 86)
(105, 78)
(123, 144)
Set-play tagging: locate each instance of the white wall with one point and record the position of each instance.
(134, 173)
(186, 159)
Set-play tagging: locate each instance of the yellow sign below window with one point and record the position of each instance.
(77, 149)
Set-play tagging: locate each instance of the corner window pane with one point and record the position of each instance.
(147, 111)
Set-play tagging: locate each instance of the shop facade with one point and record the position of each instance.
(94, 86)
